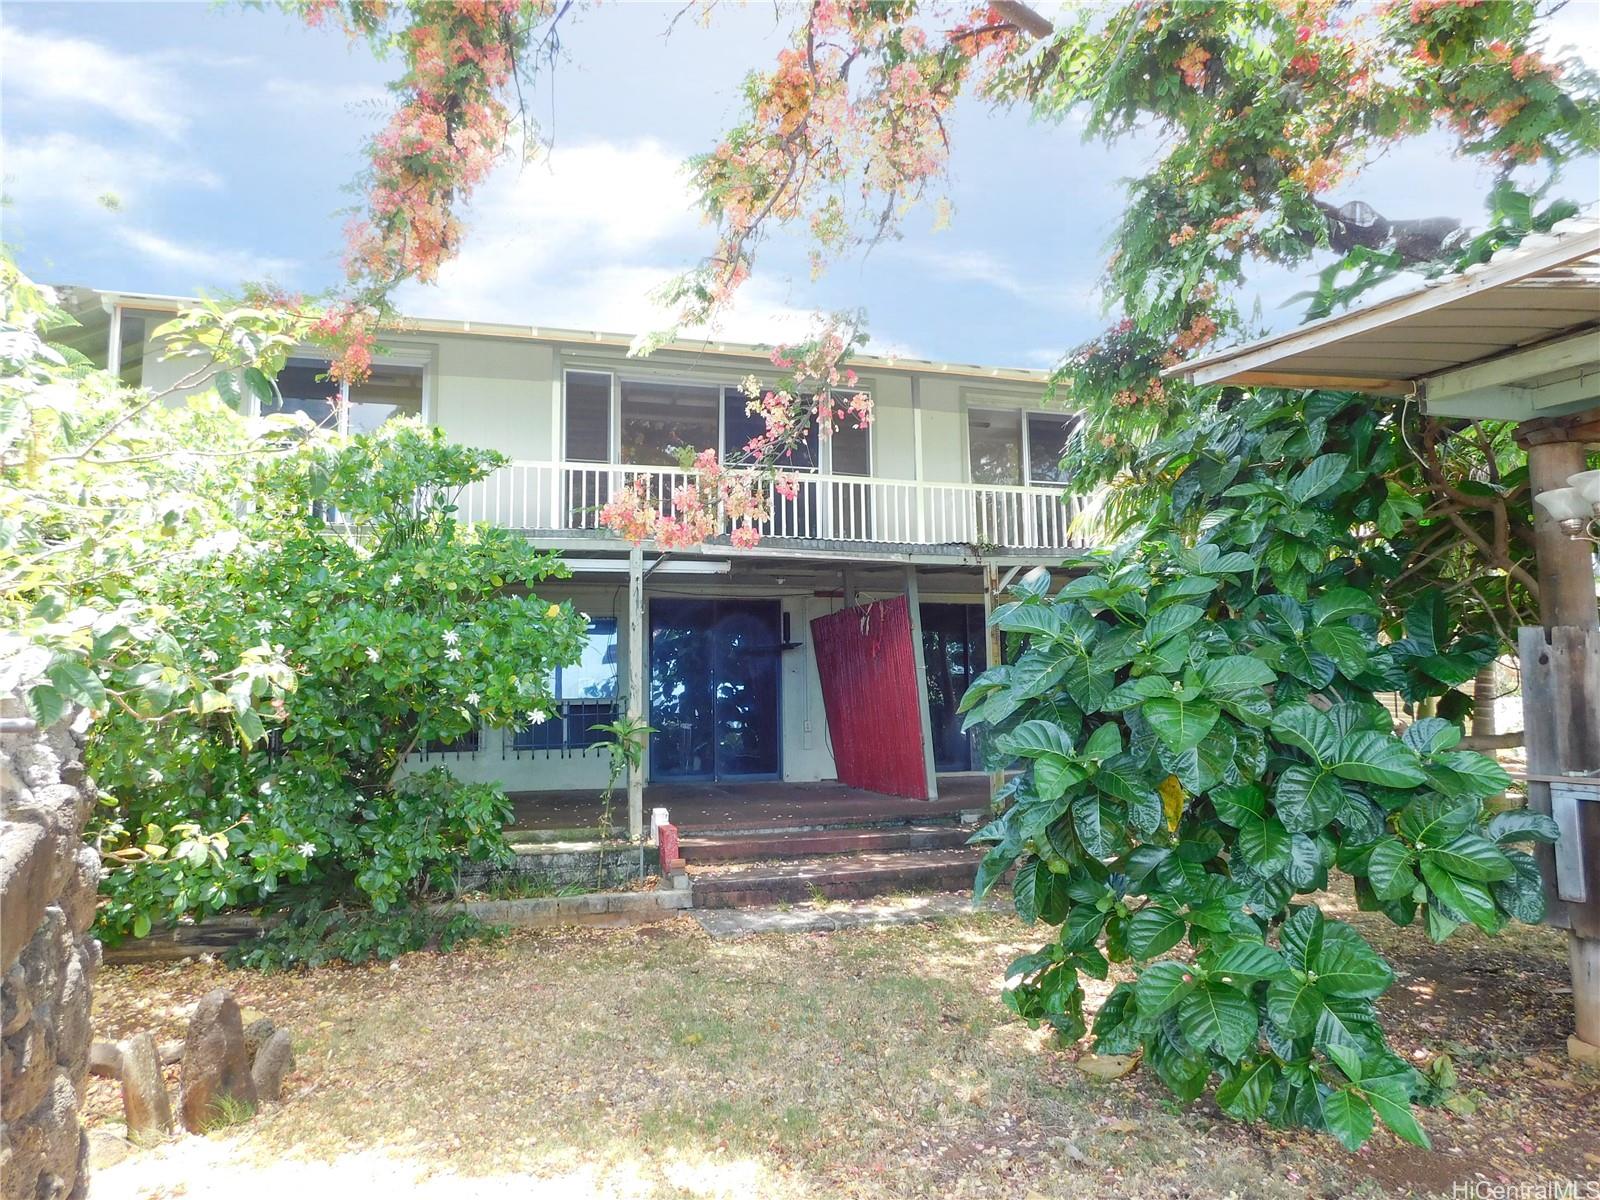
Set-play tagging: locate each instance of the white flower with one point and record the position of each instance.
(394, 580)
(372, 654)
(264, 626)
(307, 848)
(453, 654)
(584, 615)
(451, 637)
(473, 698)
(538, 716)
(208, 655)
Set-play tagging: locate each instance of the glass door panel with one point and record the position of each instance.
(714, 688)
(954, 650)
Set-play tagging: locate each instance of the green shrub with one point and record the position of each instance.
(1200, 744)
(318, 937)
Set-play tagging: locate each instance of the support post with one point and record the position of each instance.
(914, 607)
(636, 707)
(1567, 599)
(994, 649)
(849, 586)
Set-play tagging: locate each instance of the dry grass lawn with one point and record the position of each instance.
(871, 1063)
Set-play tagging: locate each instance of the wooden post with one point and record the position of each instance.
(1566, 566)
(849, 586)
(636, 705)
(994, 644)
(914, 608)
(1567, 601)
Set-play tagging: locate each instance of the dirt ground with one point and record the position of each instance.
(869, 1063)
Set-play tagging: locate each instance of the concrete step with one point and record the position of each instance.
(767, 845)
(840, 877)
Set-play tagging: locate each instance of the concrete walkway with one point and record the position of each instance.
(855, 914)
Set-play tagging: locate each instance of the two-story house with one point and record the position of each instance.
(917, 518)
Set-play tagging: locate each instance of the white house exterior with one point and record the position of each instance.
(955, 484)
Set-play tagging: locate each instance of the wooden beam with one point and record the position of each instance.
(914, 609)
(636, 705)
(1566, 566)
(1516, 366)
(994, 647)
(1375, 385)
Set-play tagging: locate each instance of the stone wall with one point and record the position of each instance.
(593, 866)
(48, 881)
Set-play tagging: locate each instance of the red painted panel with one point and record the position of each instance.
(870, 691)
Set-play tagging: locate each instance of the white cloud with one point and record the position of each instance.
(583, 240)
(63, 170)
(982, 267)
(202, 264)
(319, 97)
(55, 71)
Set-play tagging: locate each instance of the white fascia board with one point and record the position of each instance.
(1555, 252)
(1581, 350)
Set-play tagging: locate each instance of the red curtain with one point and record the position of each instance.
(870, 692)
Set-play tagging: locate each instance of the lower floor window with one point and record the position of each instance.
(466, 743)
(569, 729)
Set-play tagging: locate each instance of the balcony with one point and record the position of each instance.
(567, 497)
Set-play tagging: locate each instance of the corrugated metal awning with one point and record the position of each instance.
(1543, 294)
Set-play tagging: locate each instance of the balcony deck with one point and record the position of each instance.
(826, 512)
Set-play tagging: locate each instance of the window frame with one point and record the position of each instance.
(1025, 447)
(400, 356)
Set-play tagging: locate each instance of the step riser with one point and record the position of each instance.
(758, 849)
(842, 824)
(710, 894)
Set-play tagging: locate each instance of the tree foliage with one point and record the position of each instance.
(1199, 746)
(401, 626)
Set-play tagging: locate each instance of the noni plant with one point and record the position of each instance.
(1194, 718)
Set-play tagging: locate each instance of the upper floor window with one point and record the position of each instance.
(660, 417)
(588, 415)
(392, 390)
(1011, 446)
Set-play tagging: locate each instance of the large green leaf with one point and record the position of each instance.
(1022, 891)
(1180, 724)
(1347, 1116)
(1390, 1098)
(1306, 729)
(994, 865)
(1336, 604)
(1244, 1095)
(1032, 739)
(1522, 896)
(1160, 986)
(1320, 474)
(1520, 825)
(1467, 897)
(1293, 1005)
(1345, 965)
(1373, 757)
(1234, 673)
(1389, 869)
(1244, 962)
(1153, 930)
(1037, 619)
(1431, 820)
(1472, 856)
(1307, 798)
(1345, 645)
(1215, 1014)
(1264, 843)
(1170, 622)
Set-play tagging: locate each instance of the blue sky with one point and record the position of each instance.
(229, 138)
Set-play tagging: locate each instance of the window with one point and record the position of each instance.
(304, 387)
(588, 416)
(994, 443)
(392, 390)
(1001, 442)
(133, 328)
(1047, 440)
(466, 743)
(852, 449)
(586, 695)
(660, 417)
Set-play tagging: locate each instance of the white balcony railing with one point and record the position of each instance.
(568, 496)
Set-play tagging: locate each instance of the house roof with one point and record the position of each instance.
(1530, 316)
(613, 340)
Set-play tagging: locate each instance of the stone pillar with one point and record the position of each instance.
(48, 881)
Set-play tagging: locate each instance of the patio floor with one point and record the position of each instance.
(711, 807)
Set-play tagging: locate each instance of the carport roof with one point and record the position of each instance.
(1542, 295)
